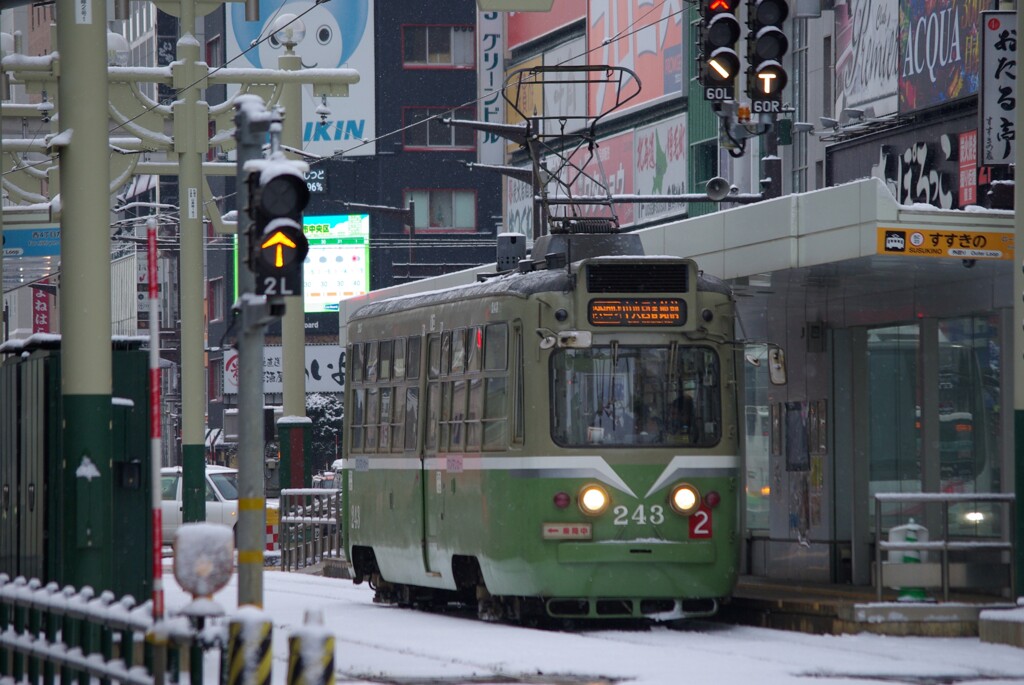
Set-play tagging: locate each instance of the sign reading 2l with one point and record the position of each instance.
(283, 285)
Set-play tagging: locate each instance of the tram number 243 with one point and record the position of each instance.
(699, 521)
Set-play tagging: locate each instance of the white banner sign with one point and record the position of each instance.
(325, 372)
(337, 34)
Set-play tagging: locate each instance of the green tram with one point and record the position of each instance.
(558, 441)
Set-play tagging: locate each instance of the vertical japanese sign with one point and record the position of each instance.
(968, 147)
(490, 75)
(998, 87)
(41, 308)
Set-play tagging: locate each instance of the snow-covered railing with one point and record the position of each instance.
(891, 574)
(310, 529)
(46, 628)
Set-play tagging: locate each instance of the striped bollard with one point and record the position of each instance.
(311, 653)
(249, 652)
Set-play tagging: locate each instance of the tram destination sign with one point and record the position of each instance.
(637, 311)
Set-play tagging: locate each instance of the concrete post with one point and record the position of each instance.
(86, 359)
(190, 143)
(294, 436)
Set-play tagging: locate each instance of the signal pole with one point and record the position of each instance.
(250, 132)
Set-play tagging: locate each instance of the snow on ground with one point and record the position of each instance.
(382, 644)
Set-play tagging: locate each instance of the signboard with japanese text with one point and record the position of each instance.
(518, 207)
(939, 52)
(324, 369)
(659, 166)
(645, 38)
(867, 56)
(946, 243)
(490, 75)
(338, 34)
(34, 241)
(41, 309)
(998, 98)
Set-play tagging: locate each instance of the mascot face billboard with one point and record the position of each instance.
(337, 34)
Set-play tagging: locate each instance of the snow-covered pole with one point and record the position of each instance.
(154, 418)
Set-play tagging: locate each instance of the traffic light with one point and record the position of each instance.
(277, 246)
(766, 46)
(718, 63)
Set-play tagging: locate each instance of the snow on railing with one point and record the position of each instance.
(944, 545)
(310, 528)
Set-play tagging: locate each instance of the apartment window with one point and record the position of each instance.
(214, 52)
(425, 130)
(215, 374)
(438, 46)
(216, 299)
(444, 210)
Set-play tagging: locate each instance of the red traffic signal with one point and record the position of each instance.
(718, 62)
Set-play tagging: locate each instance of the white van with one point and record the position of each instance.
(221, 498)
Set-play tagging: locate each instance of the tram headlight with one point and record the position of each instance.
(684, 498)
(593, 499)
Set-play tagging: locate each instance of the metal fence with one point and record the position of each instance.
(51, 634)
(984, 559)
(310, 527)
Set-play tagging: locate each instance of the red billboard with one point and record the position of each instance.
(645, 38)
(526, 26)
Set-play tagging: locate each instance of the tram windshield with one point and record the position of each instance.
(619, 396)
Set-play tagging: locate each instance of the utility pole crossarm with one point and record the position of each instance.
(518, 173)
(517, 133)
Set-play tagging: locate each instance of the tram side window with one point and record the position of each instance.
(399, 359)
(459, 351)
(385, 419)
(496, 347)
(474, 414)
(371, 362)
(474, 345)
(385, 360)
(412, 415)
(358, 417)
(434, 356)
(458, 415)
(356, 356)
(433, 406)
(398, 419)
(496, 413)
(413, 357)
(372, 418)
(446, 353)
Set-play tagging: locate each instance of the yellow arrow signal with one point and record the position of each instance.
(281, 241)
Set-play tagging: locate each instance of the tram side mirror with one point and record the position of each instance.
(777, 365)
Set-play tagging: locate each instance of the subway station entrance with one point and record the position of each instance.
(896, 323)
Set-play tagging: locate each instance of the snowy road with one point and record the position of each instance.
(378, 644)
